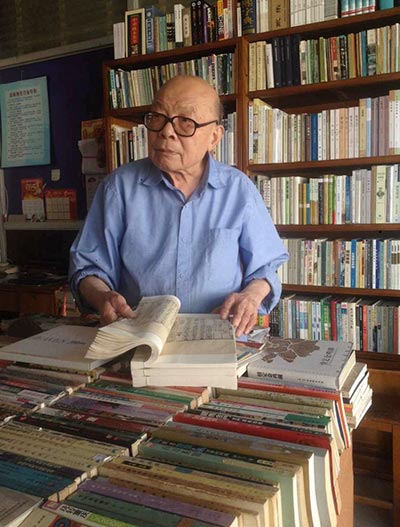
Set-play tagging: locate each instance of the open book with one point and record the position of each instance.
(171, 348)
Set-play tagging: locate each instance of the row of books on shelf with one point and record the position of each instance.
(133, 88)
(290, 60)
(129, 142)
(365, 196)
(221, 457)
(357, 263)
(149, 29)
(369, 129)
(371, 325)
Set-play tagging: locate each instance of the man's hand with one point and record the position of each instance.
(109, 304)
(114, 306)
(243, 306)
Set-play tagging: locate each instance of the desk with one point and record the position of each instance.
(22, 299)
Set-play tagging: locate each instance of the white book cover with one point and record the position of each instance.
(315, 363)
(62, 346)
(15, 506)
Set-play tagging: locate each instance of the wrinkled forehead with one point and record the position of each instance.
(187, 104)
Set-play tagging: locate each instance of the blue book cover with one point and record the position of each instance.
(151, 12)
(363, 53)
(386, 4)
(314, 137)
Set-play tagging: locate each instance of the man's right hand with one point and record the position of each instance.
(114, 306)
(109, 304)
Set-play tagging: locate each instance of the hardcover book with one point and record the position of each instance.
(307, 362)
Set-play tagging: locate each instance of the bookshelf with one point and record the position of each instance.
(295, 99)
(379, 430)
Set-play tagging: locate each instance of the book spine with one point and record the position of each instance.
(164, 504)
(77, 514)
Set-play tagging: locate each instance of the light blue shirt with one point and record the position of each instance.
(142, 237)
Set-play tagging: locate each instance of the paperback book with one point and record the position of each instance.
(170, 346)
(324, 363)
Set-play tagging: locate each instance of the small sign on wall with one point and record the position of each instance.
(25, 123)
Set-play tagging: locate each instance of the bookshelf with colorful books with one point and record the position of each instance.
(323, 149)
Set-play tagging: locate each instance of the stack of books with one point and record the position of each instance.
(310, 366)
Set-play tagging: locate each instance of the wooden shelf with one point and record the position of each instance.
(335, 26)
(314, 168)
(338, 231)
(175, 55)
(313, 289)
(55, 225)
(374, 491)
(291, 97)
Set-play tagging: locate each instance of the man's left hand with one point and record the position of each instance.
(243, 306)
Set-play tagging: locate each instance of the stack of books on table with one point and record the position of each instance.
(311, 365)
(266, 453)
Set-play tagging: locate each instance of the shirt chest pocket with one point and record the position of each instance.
(222, 251)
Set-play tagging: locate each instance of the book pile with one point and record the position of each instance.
(116, 414)
(24, 389)
(46, 463)
(264, 453)
(311, 366)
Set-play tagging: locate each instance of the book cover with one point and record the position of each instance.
(316, 363)
(249, 21)
(151, 12)
(135, 33)
(16, 506)
(279, 16)
(32, 194)
(62, 346)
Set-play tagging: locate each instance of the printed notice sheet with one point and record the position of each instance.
(25, 123)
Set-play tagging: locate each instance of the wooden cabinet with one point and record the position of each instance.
(26, 300)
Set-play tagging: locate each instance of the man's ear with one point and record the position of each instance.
(216, 136)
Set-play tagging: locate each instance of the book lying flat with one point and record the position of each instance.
(171, 348)
(15, 506)
(61, 347)
(324, 363)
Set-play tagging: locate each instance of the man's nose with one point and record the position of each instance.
(168, 129)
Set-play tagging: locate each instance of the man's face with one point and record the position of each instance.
(176, 154)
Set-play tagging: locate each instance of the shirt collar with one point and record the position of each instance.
(154, 176)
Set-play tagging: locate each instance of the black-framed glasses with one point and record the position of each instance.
(183, 126)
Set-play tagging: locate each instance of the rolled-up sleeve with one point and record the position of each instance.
(95, 251)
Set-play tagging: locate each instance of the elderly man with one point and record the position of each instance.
(179, 222)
